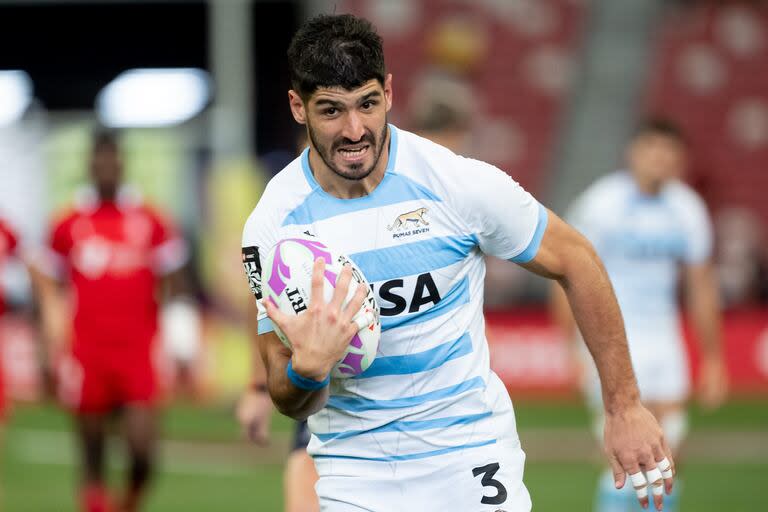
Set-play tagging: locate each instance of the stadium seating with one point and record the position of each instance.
(710, 73)
(516, 56)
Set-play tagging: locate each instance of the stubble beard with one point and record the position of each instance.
(352, 174)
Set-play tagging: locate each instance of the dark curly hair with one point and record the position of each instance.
(335, 51)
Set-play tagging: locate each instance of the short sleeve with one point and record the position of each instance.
(60, 238)
(508, 221)
(257, 239)
(169, 249)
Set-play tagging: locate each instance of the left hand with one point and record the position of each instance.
(254, 411)
(713, 382)
(634, 443)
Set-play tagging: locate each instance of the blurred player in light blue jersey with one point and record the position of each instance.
(428, 426)
(649, 227)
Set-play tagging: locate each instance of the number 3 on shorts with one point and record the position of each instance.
(488, 481)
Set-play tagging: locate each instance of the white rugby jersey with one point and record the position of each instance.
(419, 239)
(642, 240)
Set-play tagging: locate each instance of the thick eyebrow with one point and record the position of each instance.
(328, 102)
(370, 95)
(337, 104)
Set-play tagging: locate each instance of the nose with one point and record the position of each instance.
(354, 129)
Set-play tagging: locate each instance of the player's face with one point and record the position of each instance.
(348, 129)
(656, 159)
(106, 170)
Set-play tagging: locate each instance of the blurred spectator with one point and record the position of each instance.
(442, 109)
(109, 254)
(8, 244)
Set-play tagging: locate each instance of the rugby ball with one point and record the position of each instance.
(287, 281)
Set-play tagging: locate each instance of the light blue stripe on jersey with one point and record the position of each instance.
(411, 456)
(265, 326)
(533, 247)
(420, 361)
(407, 426)
(456, 297)
(359, 404)
(413, 258)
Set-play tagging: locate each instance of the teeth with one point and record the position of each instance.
(353, 150)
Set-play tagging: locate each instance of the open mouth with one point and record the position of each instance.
(354, 154)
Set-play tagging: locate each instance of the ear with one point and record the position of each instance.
(388, 91)
(297, 107)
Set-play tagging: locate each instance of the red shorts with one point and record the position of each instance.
(97, 380)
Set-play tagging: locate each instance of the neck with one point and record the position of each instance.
(648, 186)
(343, 188)
(108, 196)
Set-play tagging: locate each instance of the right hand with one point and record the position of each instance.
(634, 443)
(254, 411)
(320, 335)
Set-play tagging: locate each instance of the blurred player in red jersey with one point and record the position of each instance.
(8, 244)
(111, 252)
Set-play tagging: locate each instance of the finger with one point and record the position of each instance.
(318, 271)
(657, 486)
(362, 320)
(351, 311)
(667, 467)
(342, 287)
(619, 475)
(653, 475)
(640, 484)
(274, 313)
(667, 473)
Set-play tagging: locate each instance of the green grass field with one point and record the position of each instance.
(206, 467)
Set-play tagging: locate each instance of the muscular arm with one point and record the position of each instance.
(633, 439)
(560, 311)
(568, 258)
(289, 400)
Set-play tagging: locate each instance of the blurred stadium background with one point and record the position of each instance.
(550, 90)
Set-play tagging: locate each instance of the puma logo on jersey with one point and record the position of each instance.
(409, 219)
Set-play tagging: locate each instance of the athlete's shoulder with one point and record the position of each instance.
(680, 191)
(686, 201)
(617, 182)
(65, 215)
(442, 170)
(607, 189)
(418, 155)
(286, 190)
(286, 187)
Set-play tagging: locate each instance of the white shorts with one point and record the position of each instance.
(483, 479)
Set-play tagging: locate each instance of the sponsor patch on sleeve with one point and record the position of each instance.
(252, 266)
